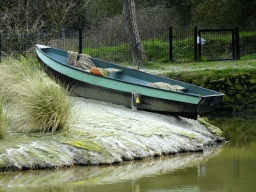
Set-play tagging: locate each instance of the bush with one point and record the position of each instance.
(40, 103)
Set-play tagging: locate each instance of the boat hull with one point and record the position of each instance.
(198, 105)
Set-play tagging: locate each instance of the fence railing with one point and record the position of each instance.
(161, 45)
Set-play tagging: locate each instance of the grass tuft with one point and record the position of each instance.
(3, 116)
(39, 103)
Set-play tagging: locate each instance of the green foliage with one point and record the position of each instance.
(99, 11)
(236, 84)
(224, 14)
(184, 9)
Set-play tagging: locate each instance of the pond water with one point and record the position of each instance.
(228, 167)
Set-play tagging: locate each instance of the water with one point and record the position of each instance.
(223, 168)
(228, 167)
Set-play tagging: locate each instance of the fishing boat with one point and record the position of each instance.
(129, 87)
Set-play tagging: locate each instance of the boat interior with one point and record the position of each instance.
(130, 75)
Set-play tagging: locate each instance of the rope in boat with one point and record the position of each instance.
(167, 86)
(85, 61)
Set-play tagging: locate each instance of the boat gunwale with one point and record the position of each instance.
(170, 91)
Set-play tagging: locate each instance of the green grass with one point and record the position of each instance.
(38, 102)
(157, 50)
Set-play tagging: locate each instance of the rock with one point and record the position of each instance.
(105, 133)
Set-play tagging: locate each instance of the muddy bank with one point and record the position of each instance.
(105, 134)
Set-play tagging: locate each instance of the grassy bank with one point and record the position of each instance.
(236, 79)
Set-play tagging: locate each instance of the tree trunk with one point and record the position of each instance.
(135, 44)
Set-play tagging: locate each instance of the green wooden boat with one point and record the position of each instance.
(129, 87)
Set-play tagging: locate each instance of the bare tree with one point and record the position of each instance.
(22, 16)
(135, 44)
(21, 19)
(55, 13)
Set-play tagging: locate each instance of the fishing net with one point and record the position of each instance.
(167, 86)
(72, 57)
(85, 62)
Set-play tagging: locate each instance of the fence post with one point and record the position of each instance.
(170, 43)
(80, 40)
(195, 43)
(199, 46)
(237, 43)
(233, 44)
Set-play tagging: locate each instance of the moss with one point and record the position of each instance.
(87, 144)
(237, 83)
(238, 96)
(190, 136)
(217, 131)
(238, 87)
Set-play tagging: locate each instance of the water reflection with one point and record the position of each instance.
(236, 167)
(240, 131)
(201, 170)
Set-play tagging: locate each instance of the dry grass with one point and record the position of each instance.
(3, 117)
(39, 103)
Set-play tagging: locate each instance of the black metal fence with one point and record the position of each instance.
(185, 44)
(219, 44)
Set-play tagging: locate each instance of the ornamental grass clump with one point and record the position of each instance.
(3, 116)
(40, 103)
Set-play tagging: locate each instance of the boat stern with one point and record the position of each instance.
(208, 104)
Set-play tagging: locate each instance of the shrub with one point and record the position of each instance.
(40, 103)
